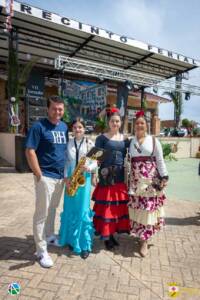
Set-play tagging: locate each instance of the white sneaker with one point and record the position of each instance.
(45, 260)
(53, 240)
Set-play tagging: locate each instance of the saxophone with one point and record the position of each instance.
(77, 179)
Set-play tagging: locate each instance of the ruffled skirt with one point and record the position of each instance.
(76, 228)
(146, 209)
(111, 210)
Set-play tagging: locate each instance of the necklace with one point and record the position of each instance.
(77, 147)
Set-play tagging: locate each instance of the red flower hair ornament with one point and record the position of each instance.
(112, 110)
(139, 114)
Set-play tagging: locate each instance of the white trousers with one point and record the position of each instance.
(48, 192)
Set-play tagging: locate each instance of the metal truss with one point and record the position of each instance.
(102, 71)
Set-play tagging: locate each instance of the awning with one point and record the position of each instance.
(46, 35)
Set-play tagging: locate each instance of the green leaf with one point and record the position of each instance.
(167, 152)
(176, 98)
(26, 70)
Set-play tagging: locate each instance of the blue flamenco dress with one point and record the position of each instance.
(76, 228)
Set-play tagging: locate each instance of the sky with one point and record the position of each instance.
(170, 24)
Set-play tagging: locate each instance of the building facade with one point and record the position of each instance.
(92, 97)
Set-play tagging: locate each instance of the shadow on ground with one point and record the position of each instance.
(23, 249)
(14, 248)
(184, 221)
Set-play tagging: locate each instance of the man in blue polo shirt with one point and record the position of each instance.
(46, 146)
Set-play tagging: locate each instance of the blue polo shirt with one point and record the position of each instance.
(50, 143)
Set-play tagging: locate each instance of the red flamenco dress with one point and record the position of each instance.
(110, 195)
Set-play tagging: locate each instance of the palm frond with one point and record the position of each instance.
(176, 98)
(26, 70)
(13, 69)
(173, 97)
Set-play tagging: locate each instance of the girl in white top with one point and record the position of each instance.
(76, 149)
(76, 228)
(148, 177)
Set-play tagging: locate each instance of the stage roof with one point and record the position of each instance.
(46, 35)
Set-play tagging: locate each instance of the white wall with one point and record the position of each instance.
(187, 147)
(195, 143)
(7, 147)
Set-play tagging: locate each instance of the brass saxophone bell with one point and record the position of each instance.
(81, 180)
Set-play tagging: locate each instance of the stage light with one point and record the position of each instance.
(136, 87)
(63, 64)
(101, 78)
(185, 75)
(187, 96)
(129, 85)
(155, 89)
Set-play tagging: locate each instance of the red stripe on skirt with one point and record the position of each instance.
(106, 229)
(110, 211)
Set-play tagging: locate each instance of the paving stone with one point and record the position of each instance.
(48, 286)
(36, 292)
(98, 293)
(114, 295)
(35, 281)
(49, 296)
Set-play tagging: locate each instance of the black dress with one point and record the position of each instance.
(110, 195)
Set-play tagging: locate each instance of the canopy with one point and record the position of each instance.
(46, 35)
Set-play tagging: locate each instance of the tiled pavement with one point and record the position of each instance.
(174, 256)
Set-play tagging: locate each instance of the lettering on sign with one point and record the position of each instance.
(94, 30)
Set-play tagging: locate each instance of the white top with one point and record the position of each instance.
(86, 146)
(146, 150)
